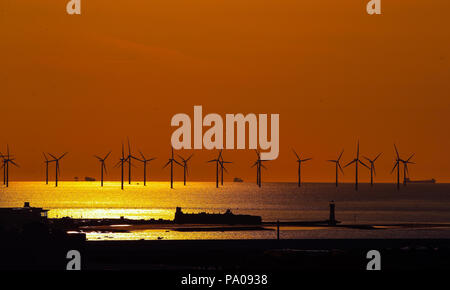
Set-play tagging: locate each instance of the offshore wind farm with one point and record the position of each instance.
(125, 162)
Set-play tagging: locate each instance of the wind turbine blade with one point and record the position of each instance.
(339, 165)
(166, 164)
(142, 155)
(377, 157)
(14, 163)
(374, 171)
(213, 160)
(97, 157)
(65, 153)
(107, 155)
(254, 164)
(129, 146)
(340, 155)
(178, 163)
(354, 160)
(395, 166)
(181, 157)
(306, 159)
(296, 155)
(332, 161)
(189, 157)
(104, 167)
(52, 156)
(45, 156)
(396, 151)
(362, 163)
(407, 160)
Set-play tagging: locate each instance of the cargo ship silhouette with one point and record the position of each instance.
(215, 218)
(408, 180)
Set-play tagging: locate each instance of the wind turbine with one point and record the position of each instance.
(299, 160)
(4, 173)
(56, 160)
(102, 165)
(338, 166)
(405, 168)
(185, 166)
(46, 167)
(222, 168)
(129, 157)
(372, 167)
(144, 161)
(258, 164)
(121, 162)
(397, 165)
(217, 167)
(171, 161)
(6, 160)
(356, 161)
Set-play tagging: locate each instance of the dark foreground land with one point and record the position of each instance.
(227, 255)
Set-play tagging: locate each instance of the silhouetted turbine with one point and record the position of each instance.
(46, 167)
(129, 157)
(299, 160)
(356, 161)
(121, 162)
(185, 166)
(56, 160)
(405, 168)
(7, 159)
(102, 166)
(171, 161)
(145, 161)
(338, 165)
(222, 168)
(258, 164)
(397, 165)
(217, 167)
(372, 167)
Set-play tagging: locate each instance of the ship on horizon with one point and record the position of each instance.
(432, 181)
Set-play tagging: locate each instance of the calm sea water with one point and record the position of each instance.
(382, 204)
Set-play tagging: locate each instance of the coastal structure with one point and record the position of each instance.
(215, 218)
(15, 218)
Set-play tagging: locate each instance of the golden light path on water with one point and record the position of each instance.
(419, 203)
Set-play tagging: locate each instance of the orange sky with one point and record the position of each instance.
(123, 68)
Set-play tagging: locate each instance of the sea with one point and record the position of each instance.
(416, 211)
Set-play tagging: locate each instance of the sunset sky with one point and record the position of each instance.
(82, 84)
